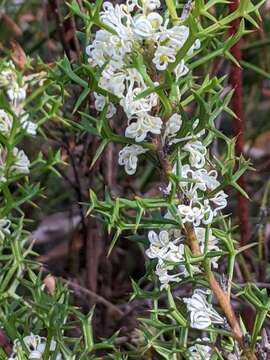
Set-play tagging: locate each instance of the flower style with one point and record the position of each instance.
(128, 157)
(202, 314)
(35, 346)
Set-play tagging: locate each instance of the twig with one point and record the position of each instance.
(60, 26)
(221, 295)
(96, 298)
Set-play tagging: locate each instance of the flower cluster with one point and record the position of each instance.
(196, 183)
(202, 313)
(35, 346)
(15, 87)
(15, 119)
(169, 250)
(135, 26)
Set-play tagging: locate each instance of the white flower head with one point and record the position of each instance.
(146, 26)
(128, 157)
(164, 55)
(133, 107)
(17, 95)
(36, 346)
(5, 123)
(159, 244)
(21, 162)
(220, 200)
(100, 103)
(29, 126)
(113, 79)
(162, 271)
(181, 70)
(191, 214)
(212, 243)
(197, 153)
(202, 314)
(118, 19)
(4, 228)
(173, 125)
(143, 124)
(200, 351)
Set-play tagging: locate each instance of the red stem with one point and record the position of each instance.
(236, 78)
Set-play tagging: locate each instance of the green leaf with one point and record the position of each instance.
(99, 151)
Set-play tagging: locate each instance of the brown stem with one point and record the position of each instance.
(191, 236)
(221, 295)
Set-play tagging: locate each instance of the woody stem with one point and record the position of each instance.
(221, 296)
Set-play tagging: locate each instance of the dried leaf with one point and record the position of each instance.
(49, 282)
(11, 26)
(18, 55)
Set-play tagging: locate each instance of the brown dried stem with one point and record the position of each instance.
(221, 296)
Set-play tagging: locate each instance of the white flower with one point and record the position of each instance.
(21, 162)
(128, 157)
(8, 76)
(206, 180)
(16, 95)
(163, 56)
(197, 153)
(174, 37)
(113, 79)
(100, 102)
(173, 125)
(202, 314)
(132, 106)
(5, 123)
(27, 125)
(212, 243)
(192, 214)
(159, 244)
(4, 228)
(165, 278)
(106, 47)
(35, 346)
(220, 199)
(200, 351)
(145, 26)
(181, 70)
(117, 19)
(143, 124)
